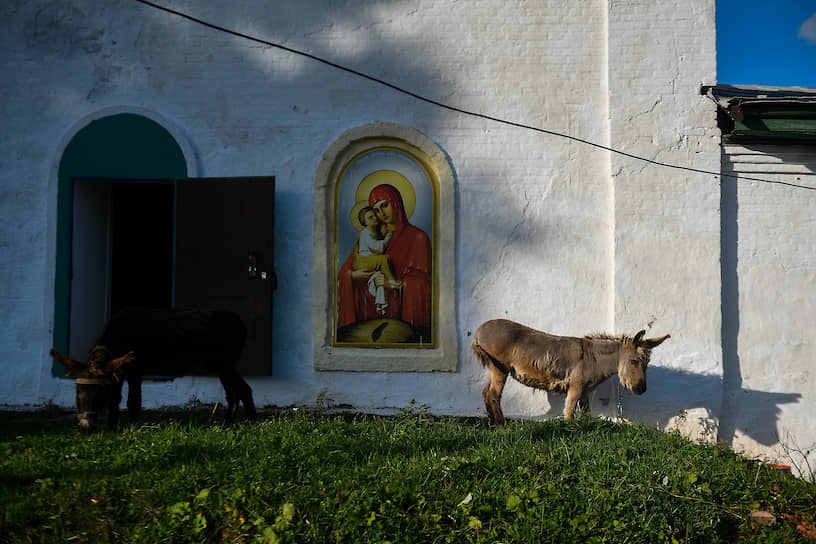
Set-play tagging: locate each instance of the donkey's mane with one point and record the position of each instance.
(603, 336)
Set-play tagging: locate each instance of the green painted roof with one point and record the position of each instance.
(754, 113)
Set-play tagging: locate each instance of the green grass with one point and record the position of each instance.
(300, 476)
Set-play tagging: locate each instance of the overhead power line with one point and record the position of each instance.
(460, 110)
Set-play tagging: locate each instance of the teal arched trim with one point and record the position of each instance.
(118, 146)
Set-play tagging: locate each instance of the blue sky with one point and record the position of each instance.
(766, 42)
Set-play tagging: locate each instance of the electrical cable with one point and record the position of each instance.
(460, 110)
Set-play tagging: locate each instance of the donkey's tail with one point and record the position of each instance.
(484, 357)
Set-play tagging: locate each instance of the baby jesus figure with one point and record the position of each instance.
(370, 257)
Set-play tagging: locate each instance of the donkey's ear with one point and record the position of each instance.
(654, 342)
(639, 336)
(115, 366)
(71, 366)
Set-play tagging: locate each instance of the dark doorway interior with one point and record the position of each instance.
(142, 246)
(121, 253)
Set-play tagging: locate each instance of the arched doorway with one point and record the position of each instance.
(115, 170)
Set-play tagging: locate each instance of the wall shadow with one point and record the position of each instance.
(758, 417)
(759, 411)
(729, 300)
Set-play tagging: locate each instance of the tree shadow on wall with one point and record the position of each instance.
(671, 391)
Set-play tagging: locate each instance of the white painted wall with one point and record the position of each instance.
(551, 232)
(666, 236)
(769, 310)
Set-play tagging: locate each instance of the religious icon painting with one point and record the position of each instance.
(384, 265)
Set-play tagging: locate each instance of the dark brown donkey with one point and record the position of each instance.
(140, 342)
(561, 364)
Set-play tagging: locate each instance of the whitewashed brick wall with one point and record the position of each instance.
(666, 235)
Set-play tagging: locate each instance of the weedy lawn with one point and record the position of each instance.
(301, 476)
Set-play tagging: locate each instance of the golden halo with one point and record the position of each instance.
(390, 177)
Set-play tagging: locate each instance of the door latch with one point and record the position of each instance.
(253, 264)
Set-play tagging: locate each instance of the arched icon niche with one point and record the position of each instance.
(388, 190)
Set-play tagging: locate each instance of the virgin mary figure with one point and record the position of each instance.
(410, 254)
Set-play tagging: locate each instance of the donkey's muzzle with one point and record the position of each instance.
(93, 398)
(639, 388)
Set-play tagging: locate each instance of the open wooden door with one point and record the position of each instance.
(224, 256)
